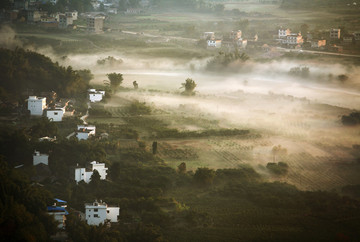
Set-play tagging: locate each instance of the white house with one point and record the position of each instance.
(40, 158)
(36, 105)
(85, 131)
(282, 33)
(82, 175)
(99, 213)
(96, 95)
(55, 114)
(214, 43)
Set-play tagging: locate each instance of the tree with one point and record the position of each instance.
(182, 168)
(204, 176)
(115, 79)
(189, 86)
(95, 178)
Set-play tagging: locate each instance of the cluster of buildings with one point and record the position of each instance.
(31, 12)
(295, 40)
(232, 40)
(37, 106)
(96, 213)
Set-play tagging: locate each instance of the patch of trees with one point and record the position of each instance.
(22, 70)
(23, 208)
(301, 71)
(138, 108)
(110, 61)
(280, 168)
(227, 60)
(351, 120)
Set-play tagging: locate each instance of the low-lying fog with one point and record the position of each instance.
(262, 78)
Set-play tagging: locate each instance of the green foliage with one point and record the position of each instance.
(99, 112)
(138, 108)
(22, 70)
(23, 208)
(110, 61)
(14, 145)
(313, 4)
(115, 80)
(227, 60)
(189, 86)
(43, 127)
(204, 176)
(351, 120)
(280, 168)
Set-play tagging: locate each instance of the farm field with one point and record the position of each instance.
(318, 149)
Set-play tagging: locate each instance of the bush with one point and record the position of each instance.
(280, 168)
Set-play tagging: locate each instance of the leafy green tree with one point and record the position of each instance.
(115, 80)
(189, 86)
(85, 75)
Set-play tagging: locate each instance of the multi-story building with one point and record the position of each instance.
(36, 105)
(83, 174)
(95, 23)
(65, 21)
(335, 34)
(282, 33)
(97, 213)
(293, 39)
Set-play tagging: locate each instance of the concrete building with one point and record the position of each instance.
(357, 36)
(97, 213)
(96, 95)
(85, 131)
(73, 15)
(33, 16)
(95, 23)
(40, 158)
(318, 43)
(82, 174)
(36, 105)
(55, 114)
(335, 34)
(282, 33)
(214, 43)
(65, 21)
(293, 39)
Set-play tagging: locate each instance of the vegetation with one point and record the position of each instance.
(303, 71)
(351, 120)
(23, 208)
(227, 61)
(280, 168)
(189, 86)
(26, 70)
(115, 80)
